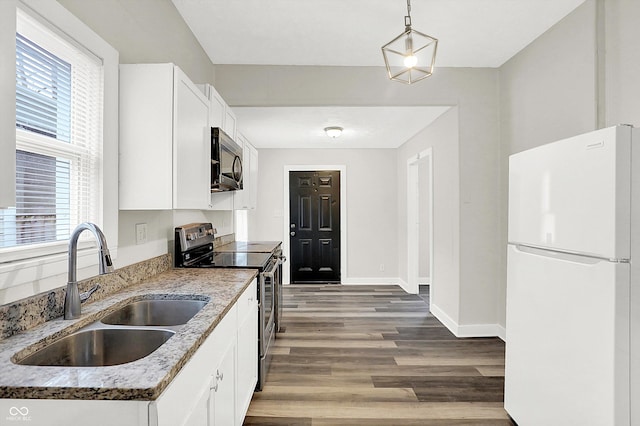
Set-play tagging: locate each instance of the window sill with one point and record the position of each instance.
(26, 277)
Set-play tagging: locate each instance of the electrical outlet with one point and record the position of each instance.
(382, 267)
(141, 233)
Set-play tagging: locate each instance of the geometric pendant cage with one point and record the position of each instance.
(410, 56)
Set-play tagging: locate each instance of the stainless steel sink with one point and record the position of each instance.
(99, 347)
(155, 312)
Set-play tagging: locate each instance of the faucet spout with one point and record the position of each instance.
(72, 299)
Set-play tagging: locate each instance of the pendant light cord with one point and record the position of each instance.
(407, 19)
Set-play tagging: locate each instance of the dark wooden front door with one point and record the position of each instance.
(314, 209)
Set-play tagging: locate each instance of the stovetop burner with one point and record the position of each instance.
(236, 260)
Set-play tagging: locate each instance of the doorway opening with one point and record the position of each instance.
(316, 258)
(420, 222)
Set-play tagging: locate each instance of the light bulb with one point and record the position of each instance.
(333, 132)
(410, 60)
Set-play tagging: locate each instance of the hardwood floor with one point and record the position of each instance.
(374, 355)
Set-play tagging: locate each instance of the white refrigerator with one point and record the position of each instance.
(573, 302)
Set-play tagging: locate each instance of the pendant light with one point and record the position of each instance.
(410, 56)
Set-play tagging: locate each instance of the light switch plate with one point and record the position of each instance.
(141, 233)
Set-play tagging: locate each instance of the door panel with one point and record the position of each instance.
(314, 204)
(304, 204)
(567, 335)
(559, 190)
(304, 251)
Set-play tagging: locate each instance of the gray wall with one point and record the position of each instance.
(424, 218)
(622, 63)
(145, 31)
(548, 90)
(371, 196)
(443, 138)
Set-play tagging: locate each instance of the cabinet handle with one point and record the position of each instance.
(219, 375)
(215, 387)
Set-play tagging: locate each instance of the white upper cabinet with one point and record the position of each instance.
(165, 147)
(246, 199)
(221, 115)
(230, 123)
(217, 108)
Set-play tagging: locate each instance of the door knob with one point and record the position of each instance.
(293, 234)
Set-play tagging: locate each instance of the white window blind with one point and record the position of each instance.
(59, 101)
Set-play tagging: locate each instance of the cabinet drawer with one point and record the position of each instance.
(248, 300)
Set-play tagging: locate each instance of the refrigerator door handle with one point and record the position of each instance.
(567, 255)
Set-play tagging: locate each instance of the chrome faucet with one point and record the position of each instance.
(73, 298)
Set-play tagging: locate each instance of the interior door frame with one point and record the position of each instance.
(413, 219)
(286, 273)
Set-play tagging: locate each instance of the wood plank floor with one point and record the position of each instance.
(374, 355)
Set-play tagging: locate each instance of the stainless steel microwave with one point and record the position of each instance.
(226, 162)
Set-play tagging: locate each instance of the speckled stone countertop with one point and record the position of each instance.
(144, 379)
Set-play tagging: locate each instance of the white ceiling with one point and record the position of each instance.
(364, 127)
(471, 33)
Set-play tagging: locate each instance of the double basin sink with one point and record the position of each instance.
(125, 335)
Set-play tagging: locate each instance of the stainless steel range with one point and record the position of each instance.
(273, 247)
(194, 249)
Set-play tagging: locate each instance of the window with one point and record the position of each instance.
(59, 99)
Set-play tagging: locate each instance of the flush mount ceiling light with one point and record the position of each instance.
(410, 56)
(333, 131)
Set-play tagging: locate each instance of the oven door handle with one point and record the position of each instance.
(270, 273)
(196, 260)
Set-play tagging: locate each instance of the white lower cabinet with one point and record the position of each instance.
(223, 395)
(188, 400)
(67, 412)
(216, 385)
(247, 351)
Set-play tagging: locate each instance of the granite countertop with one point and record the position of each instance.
(144, 379)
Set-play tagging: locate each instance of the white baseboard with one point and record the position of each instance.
(502, 332)
(377, 281)
(372, 281)
(424, 280)
(471, 330)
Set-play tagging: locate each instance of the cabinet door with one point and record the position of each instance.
(191, 147)
(146, 136)
(199, 417)
(218, 108)
(189, 397)
(222, 402)
(230, 123)
(222, 200)
(246, 199)
(247, 364)
(253, 177)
